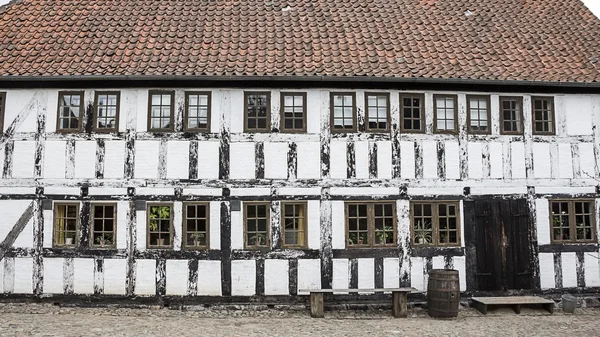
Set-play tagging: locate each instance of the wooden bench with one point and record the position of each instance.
(317, 304)
(482, 303)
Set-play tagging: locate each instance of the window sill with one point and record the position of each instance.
(569, 248)
(431, 251)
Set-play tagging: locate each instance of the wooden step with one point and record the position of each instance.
(481, 303)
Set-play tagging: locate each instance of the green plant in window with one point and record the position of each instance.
(388, 232)
(352, 238)
(156, 213)
(422, 232)
(105, 239)
(198, 238)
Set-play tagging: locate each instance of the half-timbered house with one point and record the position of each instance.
(242, 150)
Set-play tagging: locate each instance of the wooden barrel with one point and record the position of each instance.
(443, 293)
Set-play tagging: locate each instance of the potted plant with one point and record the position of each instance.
(69, 241)
(388, 232)
(198, 238)
(422, 233)
(104, 240)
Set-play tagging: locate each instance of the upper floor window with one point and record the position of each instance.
(195, 226)
(293, 218)
(511, 115)
(104, 221)
(572, 221)
(197, 111)
(66, 224)
(543, 115)
(435, 223)
(412, 112)
(478, 117)
(257, 107)
(293, 112)
(445, 111)
(256, 225)
(370, 224)
(160, 112)
(343, 112)
(378, 111)
(70, 111)
(160, 226)
(106, 114)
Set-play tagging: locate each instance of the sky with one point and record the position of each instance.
(594, 5)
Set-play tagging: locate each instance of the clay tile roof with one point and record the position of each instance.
(522, 40)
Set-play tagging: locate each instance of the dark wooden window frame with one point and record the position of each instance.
(267, 246)
(421, 97)
(2, 111)
(268, 126)
(55, 225)
(552, 115)
(435, 224)
(488, 115)
(501, 114)
(435, 124)
(184, 244)
(331, 113)
(186, 111)
(304, 244)
(172, 115)
(61, 94)
(370, 224)
(387, 111)
(572, 225)
(92, 225)
(282, 113)
(96, 107)
(171, 228)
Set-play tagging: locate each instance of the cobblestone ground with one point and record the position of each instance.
(48, 320)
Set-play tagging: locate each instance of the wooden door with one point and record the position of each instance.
(498, 241)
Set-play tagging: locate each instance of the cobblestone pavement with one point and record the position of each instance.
(48, 320)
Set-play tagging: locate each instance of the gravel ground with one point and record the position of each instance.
(48, 320)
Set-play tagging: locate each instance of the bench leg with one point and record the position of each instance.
(517, 308)
(399, 304)
(317, 306)
(549, 307)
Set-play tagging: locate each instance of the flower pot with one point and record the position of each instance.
(421, 241)
(68, 241)
(160, 242)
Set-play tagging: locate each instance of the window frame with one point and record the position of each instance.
(572, 225)
(55, 243)
(421, 108)
(282, 127)
(267, 246)
(186, 111)
(486, 98)
(92, 218)
(519, 99)
(184, 230)
(171, 227)
(304, 244)
(96, 106)
(332, 117)
(172, 105)
(61, 94)
(552, 132)
(370, 225)
(2, 111)
(435, 124)
(387, 112)
(435, 226)
(268, 126)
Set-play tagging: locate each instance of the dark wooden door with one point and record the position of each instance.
(498, 242)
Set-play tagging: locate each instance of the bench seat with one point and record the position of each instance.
(317, 303)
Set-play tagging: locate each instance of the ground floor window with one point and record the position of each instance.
(160, 226)
(293, 218)
(66, 224)
(572, 221)
(195, 226)
(104, 221)
(435, 223)
(256, 225)
(370, 224)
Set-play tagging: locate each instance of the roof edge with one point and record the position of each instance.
(329, 79)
